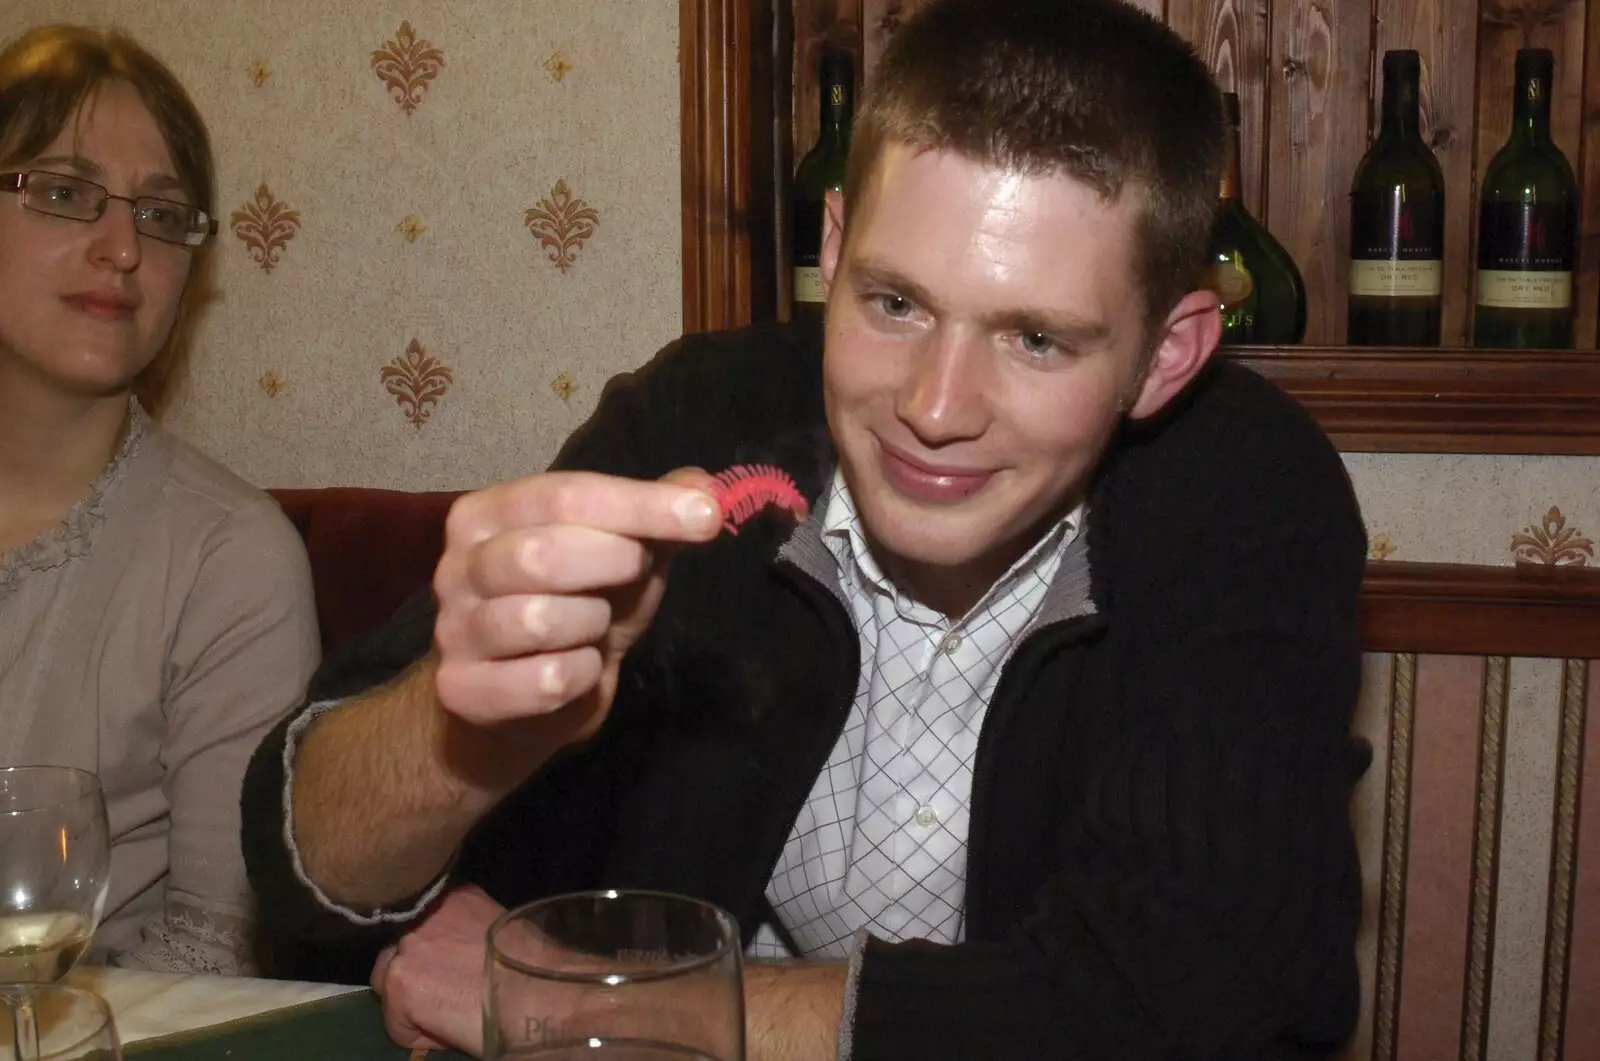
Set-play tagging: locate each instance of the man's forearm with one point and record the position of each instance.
(793, 1012)
(387, 786)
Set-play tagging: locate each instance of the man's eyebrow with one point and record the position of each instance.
(1073, 329)
(878, 274)
(1068, 327)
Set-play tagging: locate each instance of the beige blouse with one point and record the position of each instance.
(154, 637)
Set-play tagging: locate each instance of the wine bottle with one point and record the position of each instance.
(1263, 297)
(820, 171)
(1527, 224)
(1397, 223)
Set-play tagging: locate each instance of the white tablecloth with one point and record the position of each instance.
(151, 1004)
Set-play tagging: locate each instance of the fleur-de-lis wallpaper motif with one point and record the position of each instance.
(564, 386)
(411, 227)
(1382, 547)
(271, 383)
(563, 225)
(265, 225)
(1552, 543)
(259, 73)
(417, 382)
(407, 65)
(557, 66)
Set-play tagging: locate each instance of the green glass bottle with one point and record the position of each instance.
(1263, 297)
(820, 171)
(1527, 225)
(1397, 222)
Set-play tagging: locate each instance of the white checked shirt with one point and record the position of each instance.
(881, 842)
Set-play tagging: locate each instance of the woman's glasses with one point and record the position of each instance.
(76, 199)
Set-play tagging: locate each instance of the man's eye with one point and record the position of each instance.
(894, 306)
(1037, 343)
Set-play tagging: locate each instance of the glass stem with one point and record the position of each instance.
(24, 1027)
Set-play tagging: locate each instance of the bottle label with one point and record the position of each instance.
(1526, 237)
(1234, 286)
(1369, 279)
(1230, 280)
(1518, 289)
(1396, 243)
(808, 284)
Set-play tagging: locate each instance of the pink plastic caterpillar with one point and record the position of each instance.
(746, 489)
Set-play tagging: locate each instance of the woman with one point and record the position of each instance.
(155, 610)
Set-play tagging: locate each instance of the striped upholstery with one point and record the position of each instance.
(1480, 845)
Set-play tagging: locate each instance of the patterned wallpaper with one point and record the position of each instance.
(1479, 509)
(443, 225)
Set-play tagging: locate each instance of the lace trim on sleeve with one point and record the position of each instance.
(191, 940)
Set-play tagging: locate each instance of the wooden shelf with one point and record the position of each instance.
(1388, 400)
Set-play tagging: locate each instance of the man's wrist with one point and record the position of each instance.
(486, 762)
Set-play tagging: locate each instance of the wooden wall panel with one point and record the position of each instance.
(1231, 35)
(1588, 164)
(1318, 91)
(1445, 32)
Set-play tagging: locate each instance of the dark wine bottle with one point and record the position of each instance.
(1397, 222)
(1263, 297)
(820, 171)
(1527, 225)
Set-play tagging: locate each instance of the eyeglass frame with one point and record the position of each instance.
(17, 181)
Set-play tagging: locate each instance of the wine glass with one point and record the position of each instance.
(72, 1025)
(614, 976)
(55, 863)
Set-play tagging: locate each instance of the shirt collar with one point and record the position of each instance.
(841, 529)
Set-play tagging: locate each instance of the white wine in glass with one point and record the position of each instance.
(55, 864)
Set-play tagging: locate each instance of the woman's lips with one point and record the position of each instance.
(929, 483)
(101, 307)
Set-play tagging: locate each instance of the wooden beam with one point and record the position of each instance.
(1460, 609)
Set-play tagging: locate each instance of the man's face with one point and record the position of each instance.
(985, 333)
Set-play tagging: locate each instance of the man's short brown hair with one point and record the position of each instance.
(1094, 89)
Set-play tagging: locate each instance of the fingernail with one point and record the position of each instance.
(698, 512)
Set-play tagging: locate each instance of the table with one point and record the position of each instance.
(150, 1004)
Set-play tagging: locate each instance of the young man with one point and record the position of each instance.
(1032, 741)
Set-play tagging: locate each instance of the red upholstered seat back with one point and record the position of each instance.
(370, 550)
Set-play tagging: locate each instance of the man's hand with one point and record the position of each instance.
(431, 982)
(544, 585)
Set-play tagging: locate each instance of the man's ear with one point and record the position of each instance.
(1188, 339)
(832, 236)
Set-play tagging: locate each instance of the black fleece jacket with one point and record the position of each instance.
(1161, 863)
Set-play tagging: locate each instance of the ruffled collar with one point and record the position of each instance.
(74, 536)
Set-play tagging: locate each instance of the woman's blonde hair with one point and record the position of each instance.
(46, 76)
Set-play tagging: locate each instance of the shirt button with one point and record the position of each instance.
(927, 817)
(951, 644)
